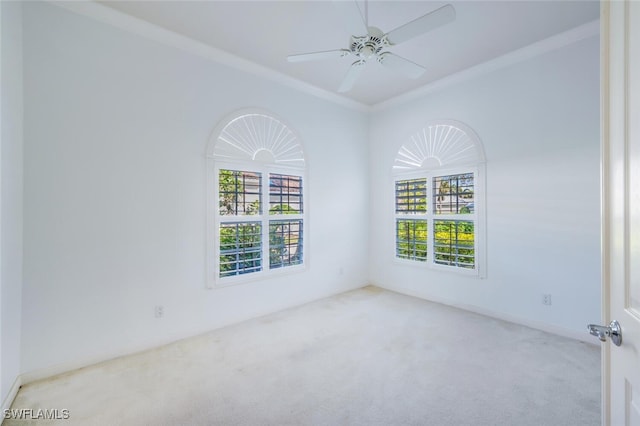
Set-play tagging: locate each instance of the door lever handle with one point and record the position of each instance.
(599, 331)
(613, 331)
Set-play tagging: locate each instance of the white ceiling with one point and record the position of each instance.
(265, 32)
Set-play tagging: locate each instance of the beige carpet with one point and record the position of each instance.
(366, 357)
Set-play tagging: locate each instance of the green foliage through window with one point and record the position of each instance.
(239, 192)
(454, 243)
(411, 196)
(285, 243)
(454, 194)
(240, 248)
(411, 239)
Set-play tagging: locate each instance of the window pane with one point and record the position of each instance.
(285, 194)
(240, 193)
(454, 194)
(411, 196)
(240, 248)
(411, 239)
(454, 243)
(285, 243)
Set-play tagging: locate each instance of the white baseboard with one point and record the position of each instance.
(538, 325)
(69, 366)
(6, 404)
(55, 370)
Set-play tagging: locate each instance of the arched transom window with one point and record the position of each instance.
(439, 199)
(256, 199)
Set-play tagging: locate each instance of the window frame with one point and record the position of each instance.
(252, 140)
(477, 217)
(264, 217)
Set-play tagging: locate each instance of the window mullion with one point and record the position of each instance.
(411, 216)
(429, 217)
(264, 210)
(245, 218)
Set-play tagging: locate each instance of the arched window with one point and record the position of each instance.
(256, 199)
(439, 199)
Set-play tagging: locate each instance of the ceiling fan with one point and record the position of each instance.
(370, 43)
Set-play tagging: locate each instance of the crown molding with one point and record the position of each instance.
(150, 31)
(584, 31)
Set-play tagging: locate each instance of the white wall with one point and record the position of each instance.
(539, 123)
(116, 128)
(11, 195)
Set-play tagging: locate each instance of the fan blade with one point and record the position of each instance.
(351, 77)
(315, 56)
(350, 14)
(428, 22)
(405, 66)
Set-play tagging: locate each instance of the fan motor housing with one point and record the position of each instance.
(370, 45)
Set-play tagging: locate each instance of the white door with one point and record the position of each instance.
(621, 208)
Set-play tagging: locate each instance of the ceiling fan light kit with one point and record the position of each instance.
(374, 42)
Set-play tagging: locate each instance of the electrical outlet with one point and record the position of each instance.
(159, 311)
(546, 299)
